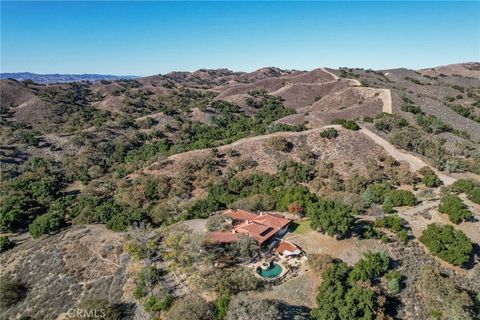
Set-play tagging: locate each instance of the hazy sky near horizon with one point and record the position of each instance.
(144, 38)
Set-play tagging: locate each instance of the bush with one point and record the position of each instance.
(347, 124)
(443, 294)
(6, 244)
(245, 308)
(191, 307)
(329, 133)
(375, 193)
(392, 222)
(399, 198)
(412, 109)
(217, 222)
(47, 223)
(221, 306)
(430, 178)
(154, 303)
(447, 243)
(11, 291)
(393, 286)
(279, 144)
(474, 195)
(371, 266)
(454, 207)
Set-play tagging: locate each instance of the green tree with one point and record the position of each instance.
(400, 198)
(46, 224)
(375, 193)
(331, 217)
(454, 207)
(447, 243)
(371, 266)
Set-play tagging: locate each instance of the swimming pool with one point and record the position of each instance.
(273, 271)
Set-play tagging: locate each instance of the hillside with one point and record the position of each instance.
(110, 190)
(59, 78)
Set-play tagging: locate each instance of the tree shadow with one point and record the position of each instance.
(293, 312)
(126, 310)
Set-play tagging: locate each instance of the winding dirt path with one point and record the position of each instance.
(415, 162)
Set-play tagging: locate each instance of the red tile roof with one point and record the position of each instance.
(287, 247)
(258, 231)
(240, 215)
(260, 227)
(277, 221)
(222, 237)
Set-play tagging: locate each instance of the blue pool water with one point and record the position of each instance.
(273, 271)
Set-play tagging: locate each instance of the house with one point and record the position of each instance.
(262, 227)
(288, 249)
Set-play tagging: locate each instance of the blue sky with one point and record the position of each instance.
(144, 38)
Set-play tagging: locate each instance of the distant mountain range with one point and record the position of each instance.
(56, 78)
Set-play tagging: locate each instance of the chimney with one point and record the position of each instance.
(248, 222)
(234, 231)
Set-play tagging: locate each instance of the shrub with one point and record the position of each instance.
(350, 125)
(371, 266)
(6, 244)
(221, 306)
(347, 124)
(454, 207)
(443, 294)
(430, 178)
(217, 222)
(11, 291)
(295, 208)
(393, 286)
(474, 195)
(463, 186)
(392, 222)
(375, 193)
(47, 223)
(329, 133)
(279, 144)
(245, 308)
(412, 108)
(399, 198)
(191, 307)
(154, 303)
(447, 243)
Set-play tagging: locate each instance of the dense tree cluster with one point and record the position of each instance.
(341, 296)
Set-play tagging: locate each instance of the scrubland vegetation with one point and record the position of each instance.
(152, 159)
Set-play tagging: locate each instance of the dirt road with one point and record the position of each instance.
(415, 162)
